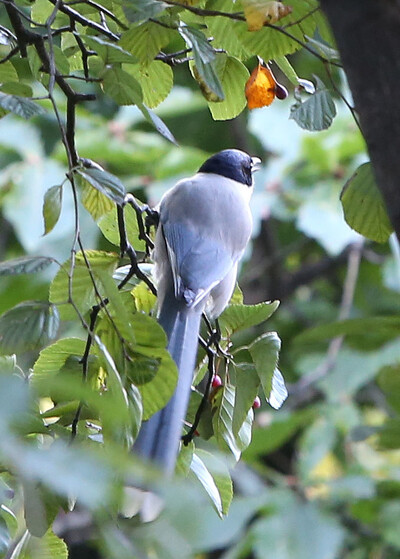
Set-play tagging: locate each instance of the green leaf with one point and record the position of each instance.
(199, 469)
(135, 408)
(25, 265)
(40, 508)
(8, 525)
(8, 73)
(53, 358)
(61, 61)
(35, 64)
(121, 273)
(83, 292)
(145, 300)
(146, 41)
(118, 308)
(184, 459)
(108, 224)
(157, 393)
(41, 10)
(142, 10)
(265, 353)
(247, 383)
(8, 364)
(158, 124)
(122, 87)
(151, 342)
(104, 182)
(325, 50)
(148, 363)
(16, 88)
(223, 32)
(287, 69)
(223, 408)
(29, 325)
(239, 317)
(112, 431)
(20, 106)
(58, 374)
(233, 75)
(110, 53)
(204, 57)
(96, 203)
(47, 547)
(217, 467)
(156, 81)
(363, 206)
(317, 112)
(52, 207)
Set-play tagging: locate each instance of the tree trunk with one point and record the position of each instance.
(368, 37)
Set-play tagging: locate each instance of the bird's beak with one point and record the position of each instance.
(255, 164)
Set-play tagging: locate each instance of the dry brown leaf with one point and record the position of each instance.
(259, 12)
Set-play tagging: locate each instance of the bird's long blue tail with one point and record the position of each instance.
(159, 437)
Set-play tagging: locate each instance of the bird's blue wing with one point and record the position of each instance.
(198, 263)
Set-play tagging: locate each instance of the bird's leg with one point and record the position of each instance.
(152, 218)
(215, 338)
(127, 248)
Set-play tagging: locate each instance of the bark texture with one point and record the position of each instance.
(368, 37)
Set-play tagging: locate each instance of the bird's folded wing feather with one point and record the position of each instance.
(198, 263)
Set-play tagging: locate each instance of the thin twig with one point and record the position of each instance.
(338, 92)
(300, 20)
(100, 8)
(85, 53)
(86, 22)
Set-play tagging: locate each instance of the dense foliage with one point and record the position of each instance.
(83, 358)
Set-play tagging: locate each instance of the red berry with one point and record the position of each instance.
(256, 403)
(216, 381)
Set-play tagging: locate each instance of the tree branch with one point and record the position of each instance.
(85, 21)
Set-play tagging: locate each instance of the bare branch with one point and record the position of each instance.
(101, 9)
(85, 21)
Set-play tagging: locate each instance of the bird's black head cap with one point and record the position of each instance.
(232, 164)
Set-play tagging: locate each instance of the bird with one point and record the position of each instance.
(204, 226)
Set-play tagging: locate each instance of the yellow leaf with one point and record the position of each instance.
(259, 12)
